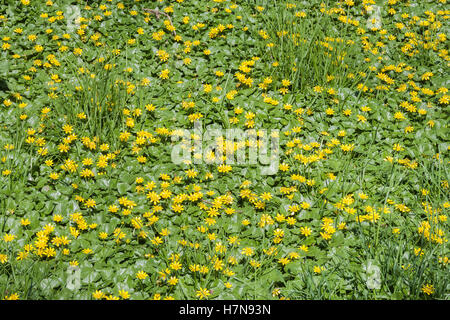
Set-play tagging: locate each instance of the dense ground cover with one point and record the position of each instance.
(95, 95)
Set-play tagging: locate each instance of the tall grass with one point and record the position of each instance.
(98, 92)
(310, 51)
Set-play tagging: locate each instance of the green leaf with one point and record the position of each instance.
(123, 188)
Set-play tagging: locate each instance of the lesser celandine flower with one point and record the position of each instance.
(428, 289)
(203, 293)
(141, 275)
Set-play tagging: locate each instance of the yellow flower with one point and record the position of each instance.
(98, 294)
(172, 281)
(428, 289)
(317, 269)
(8, 237)
(203, 293)
(164, 74)
(13, 296)
(54, 176)
(305, 205)
(73, 263)
(124, 294)
(87, 251)
(266, 196)
(77, 51)
(141, 275)
(306, 231)
(284, 261)
(3, 258)
(90, 203)
(223, 168)
(247, 251)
